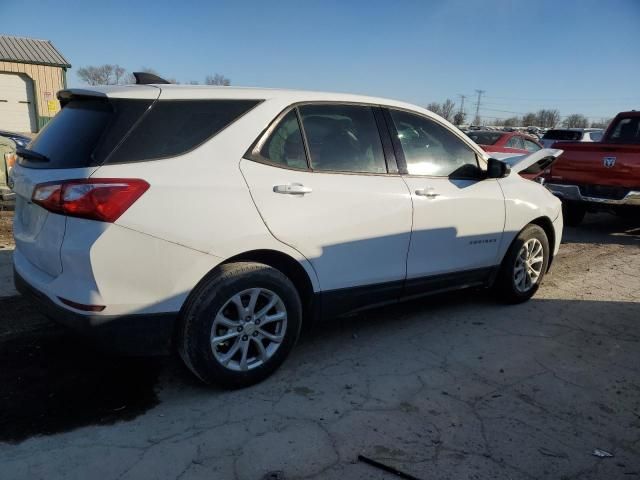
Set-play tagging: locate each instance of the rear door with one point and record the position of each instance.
(332, 199)
(71, 146)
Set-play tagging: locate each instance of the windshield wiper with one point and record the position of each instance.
(31, 155)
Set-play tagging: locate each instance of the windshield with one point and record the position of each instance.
(484, 138)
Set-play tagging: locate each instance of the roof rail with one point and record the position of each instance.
(144, 78)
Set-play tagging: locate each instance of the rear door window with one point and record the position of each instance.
(285, 146)
(531, 146)
(516, 142)
(343, 138)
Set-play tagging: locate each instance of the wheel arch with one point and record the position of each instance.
(547, 225)
(286, 264)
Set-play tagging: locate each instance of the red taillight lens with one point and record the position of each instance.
(102, 199)
(81, 306)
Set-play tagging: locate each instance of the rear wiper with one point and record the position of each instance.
(31, 155)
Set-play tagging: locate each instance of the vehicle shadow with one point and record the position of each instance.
(6, 273)
(55, 381)
(604, 228)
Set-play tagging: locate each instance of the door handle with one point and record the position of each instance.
(292, 189)
(427, 192)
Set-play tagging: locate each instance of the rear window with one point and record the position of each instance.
(90, 132)
(484, 138)
(626, 130)
(84, 132)
(174, 127)
(567, 135)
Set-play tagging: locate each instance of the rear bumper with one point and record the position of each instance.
(135, 334)
(572, 193)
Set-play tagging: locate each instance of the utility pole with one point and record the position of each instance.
(479, 92)
(462, 97)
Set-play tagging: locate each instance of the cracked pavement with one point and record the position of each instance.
(456, 386)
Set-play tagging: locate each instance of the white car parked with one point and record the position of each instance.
(571, 135)
(219, 219)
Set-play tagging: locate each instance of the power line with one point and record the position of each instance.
(524, 113)
(565, 99)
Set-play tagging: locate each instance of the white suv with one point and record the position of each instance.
(219, 220)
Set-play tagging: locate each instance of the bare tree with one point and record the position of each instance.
(217, 79)
(447, 109)
(459, 117)
(576, 120)
(106, 74)
(511, 122)
(602, 123)
(435, 107)
(529, 120)
(548, 118)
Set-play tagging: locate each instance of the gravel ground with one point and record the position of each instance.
(6, 249)
(451, 387)
(6, 218)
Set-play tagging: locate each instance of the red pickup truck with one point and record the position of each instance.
(601, 175)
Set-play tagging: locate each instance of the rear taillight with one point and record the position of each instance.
(10, 160)
(102, 199)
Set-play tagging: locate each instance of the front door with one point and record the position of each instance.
(458, 219)
(337, 205)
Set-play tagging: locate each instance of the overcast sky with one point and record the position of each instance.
(577, 56)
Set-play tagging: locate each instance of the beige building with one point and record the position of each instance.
(31, 72)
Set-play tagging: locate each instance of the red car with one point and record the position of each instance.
(504, 142)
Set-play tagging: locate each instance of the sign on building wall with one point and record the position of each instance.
(52, 104)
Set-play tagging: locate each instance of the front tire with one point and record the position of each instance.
(240, 324)
(523, 266)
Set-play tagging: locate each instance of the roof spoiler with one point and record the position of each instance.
(144, 78)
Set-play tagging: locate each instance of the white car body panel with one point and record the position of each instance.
(39, 234)
(458, 228)
(526, 201)
(354, 229)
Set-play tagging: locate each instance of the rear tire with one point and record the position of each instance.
(524, 266)
(573, 213)
(240, 324)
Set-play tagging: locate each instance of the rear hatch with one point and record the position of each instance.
(72, 146)
(597, 164)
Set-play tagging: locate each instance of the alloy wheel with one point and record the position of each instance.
(248, 329)
(528, 266)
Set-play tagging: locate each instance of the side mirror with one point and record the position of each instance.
(497, 169)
